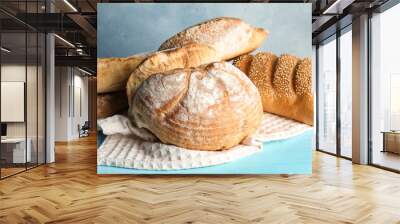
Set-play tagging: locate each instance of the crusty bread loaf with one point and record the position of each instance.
(285, 84)
(191, 55)
(230, 37)
(109, 104)
(243, 62)
(113, 73)
(212, 107)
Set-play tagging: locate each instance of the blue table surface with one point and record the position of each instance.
(290, 156)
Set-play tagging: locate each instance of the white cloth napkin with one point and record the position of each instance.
(131, 147)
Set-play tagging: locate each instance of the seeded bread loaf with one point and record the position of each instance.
(230, 37)
(285, 84)
(212, 107)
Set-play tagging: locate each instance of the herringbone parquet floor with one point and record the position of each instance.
(70, 191)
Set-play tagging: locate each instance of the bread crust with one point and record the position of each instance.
(109, 104)
(230, 37)
(191, 55)
(285, 84)
(212, 107)
(113, 73)
(243, 63)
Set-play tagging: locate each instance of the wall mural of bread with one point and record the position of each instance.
(206, 95)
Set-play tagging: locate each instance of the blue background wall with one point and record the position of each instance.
(126, 29)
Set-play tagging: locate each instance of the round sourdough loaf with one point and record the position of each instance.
(212, 107)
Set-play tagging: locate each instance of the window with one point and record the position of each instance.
(385, 89)
(22, 76)
(15, 150)
(346, 92)
(327, 96)
(333, 137)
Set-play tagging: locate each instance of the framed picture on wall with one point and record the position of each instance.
(12, 98)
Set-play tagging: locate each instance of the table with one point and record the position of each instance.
(13, 150)
(391, 141)
(290, 156)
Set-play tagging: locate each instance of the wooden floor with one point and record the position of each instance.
(10, 171)
(386, 159)
(70, 191)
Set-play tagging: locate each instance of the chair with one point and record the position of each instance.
(84, 130)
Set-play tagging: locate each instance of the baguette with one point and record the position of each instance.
(230, 37)
(113, 73)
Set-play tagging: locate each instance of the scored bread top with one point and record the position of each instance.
(230, 37)
(191, 55)
(212, 107)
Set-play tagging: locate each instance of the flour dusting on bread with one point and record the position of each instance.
(206, 108)
(213, 33)
(230, 37)
(160, 89)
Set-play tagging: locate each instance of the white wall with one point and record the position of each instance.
(70, 83)
(82, 83)
(16, 72)
(61, 103)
